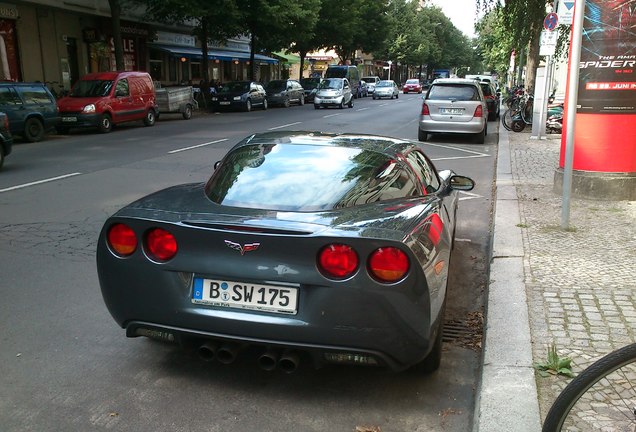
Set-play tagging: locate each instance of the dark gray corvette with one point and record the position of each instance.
(332, 248)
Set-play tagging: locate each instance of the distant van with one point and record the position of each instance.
(351, 73)
(30, 107)
(104, 99)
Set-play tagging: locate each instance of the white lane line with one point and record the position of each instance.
(39, 182)
(196, 146)
(331, 115)
(284, 126)
(463, 240)
(460, 157)
(362, 109)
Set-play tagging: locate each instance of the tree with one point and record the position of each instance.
(523, 19)
(115, 12)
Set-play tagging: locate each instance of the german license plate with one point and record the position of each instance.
(69, 119)
(224, 103)
(241, 295)
(451, 110)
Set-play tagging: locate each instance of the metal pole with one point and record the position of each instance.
(544, 101)
(573, 90)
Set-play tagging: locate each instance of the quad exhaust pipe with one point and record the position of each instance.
(269, 360)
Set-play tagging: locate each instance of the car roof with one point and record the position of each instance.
(381, 144)
(455, 81)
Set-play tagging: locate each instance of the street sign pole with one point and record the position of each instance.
(573, 90)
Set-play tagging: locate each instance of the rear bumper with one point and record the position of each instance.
(435, 126)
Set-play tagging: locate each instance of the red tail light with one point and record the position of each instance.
(122, 239)
(479, 112)
(388, 264)
(425, 110)
(338, 261)
(160, 244)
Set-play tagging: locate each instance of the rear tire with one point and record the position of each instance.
(433, 360)
(150, 118)
(518, 125)
(105, 124)
(33, 130)
(422, 136)
(187, 112)
(248, 106)
(481, 136)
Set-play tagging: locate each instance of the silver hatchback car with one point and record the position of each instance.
(333, 92)
(454, 105)
(386, 89)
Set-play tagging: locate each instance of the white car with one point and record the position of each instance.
(333, 92)
(386, 89)
(371, 82)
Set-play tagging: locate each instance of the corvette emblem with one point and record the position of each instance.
(242, 249)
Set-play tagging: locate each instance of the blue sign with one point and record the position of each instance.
(551, 21)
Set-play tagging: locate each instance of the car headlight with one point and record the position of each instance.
(276, 95)
(237, 98)
(90, 108)
(214, 99)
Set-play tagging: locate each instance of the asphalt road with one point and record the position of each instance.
(66, 366)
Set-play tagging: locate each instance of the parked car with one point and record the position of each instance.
(349, 72)
(30, 107)
(386, 89)
(310, 86)
(492, 99)
(371, 83)
(6, 140)
(285, 92)
(282, 263)
(334, 92)
(454, 105)
(104, 99)
(412, 86)
(240, 95)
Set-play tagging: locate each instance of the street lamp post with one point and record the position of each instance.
(390, 63)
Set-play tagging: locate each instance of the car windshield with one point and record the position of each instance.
(309, 83)
(458, 92)
(412, 81)
(369, 80)
(305, 177)
(238, 86)
(335, 84)
(336, 72)
(92, 88)
(276, 85)
(384, 84)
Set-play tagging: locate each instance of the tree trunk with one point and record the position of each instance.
(302, 54)
(252, 68)
(115, 13)
(205, 86)
(533, 58)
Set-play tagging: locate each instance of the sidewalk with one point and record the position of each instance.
(575, 289)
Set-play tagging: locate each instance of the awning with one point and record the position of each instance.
(196, 53)
(287, 58)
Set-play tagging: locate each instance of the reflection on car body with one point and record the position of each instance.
(297, 239)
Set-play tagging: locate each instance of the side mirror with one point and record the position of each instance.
(459, 182)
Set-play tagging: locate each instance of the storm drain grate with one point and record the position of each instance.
(456, 330)
(466, 333)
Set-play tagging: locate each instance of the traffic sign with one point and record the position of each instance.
(548, 42)
(551, 21)
(565, 10)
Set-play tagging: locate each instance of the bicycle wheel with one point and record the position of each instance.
(506, 119)
(601, 398)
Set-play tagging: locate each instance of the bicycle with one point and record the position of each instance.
(601, 398)
(519, 114)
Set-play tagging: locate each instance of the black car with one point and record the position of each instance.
(31, 108)
(310, 85)
(492, 99)
(6, 140)
(285, 92)
(240, 95)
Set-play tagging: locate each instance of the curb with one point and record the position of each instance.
(507, 396)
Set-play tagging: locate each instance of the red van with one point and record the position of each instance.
(104, 99)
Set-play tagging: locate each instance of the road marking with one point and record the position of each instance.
(474, 154)
(39, 182)
(196, 146)
(362, 109)
(463, 240)
(331, 115)
(283, 126)
(471, 196)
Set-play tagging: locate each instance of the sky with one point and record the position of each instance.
(460, 12)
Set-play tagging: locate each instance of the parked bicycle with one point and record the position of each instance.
(601, 398)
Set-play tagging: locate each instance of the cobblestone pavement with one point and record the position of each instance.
(580, 283)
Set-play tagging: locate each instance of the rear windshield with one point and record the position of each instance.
(370, 80)
(412, 81)
(92, 88)
(309, 83)
(238, 86)
(336, 72)
(458, 92)
(304, 177)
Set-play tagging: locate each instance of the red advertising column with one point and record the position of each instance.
(605, 133)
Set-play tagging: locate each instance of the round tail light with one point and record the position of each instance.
(338, 261)
(122, 239)
(160, 244)
(388, 264)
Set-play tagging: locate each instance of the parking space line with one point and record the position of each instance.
(196, 146)
(470, 196)
(284, 126)
(331, 115)
(362, 109)
(40, 182)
